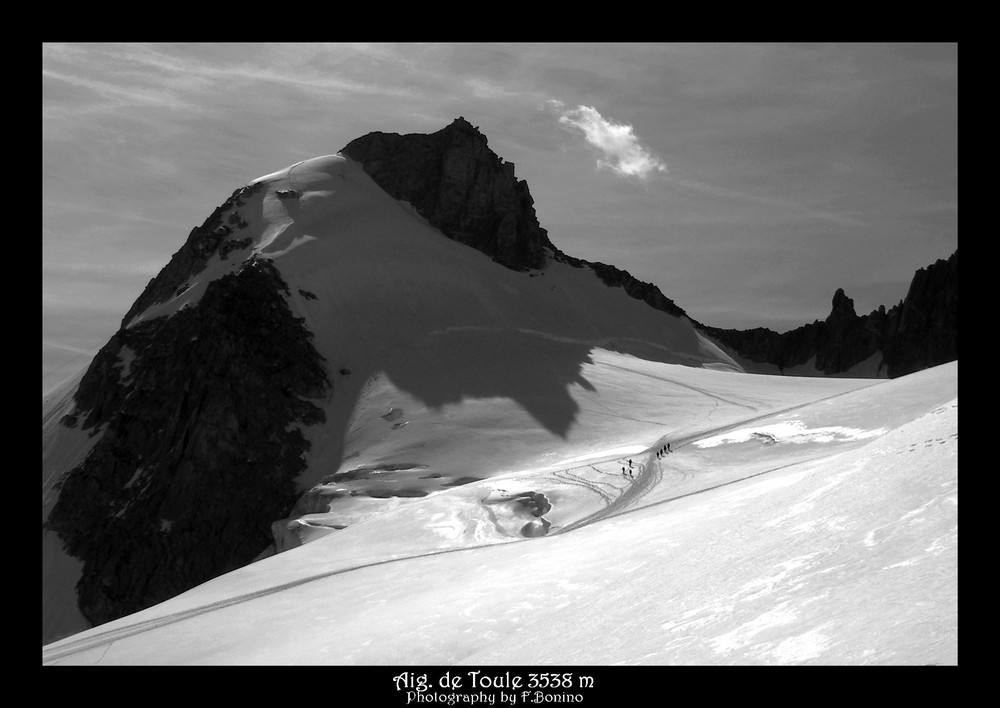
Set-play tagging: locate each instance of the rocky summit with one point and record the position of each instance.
(460, 186)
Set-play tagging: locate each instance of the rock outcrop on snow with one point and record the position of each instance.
(200, 415)
(918, 333)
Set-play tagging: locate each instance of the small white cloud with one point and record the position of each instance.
(619, 146)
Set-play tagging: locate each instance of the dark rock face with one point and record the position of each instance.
(199, 451)
(461, 187)
(920, 332)
(923, 329)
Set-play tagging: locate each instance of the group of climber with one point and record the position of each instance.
(662, 452)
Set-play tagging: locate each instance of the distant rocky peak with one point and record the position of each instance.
(843, 306)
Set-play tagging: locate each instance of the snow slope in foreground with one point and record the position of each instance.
(823, 531)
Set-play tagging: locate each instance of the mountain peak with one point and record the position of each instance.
(843, 306)
(464, 189)
(461, 124)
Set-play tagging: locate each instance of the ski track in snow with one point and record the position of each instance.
(568, 478)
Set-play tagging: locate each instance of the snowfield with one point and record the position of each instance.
(492, 486)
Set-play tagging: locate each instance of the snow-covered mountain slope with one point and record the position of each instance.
(421, 337)
(823, 531)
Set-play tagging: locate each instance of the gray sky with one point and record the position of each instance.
(747, 181)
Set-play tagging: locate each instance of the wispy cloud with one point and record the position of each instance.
(784, 205)
(192, 77)
(112, 96)
(620, 149)
(484, 88)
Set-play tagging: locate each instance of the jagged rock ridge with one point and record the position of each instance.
(919, 332)
(215, 235)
